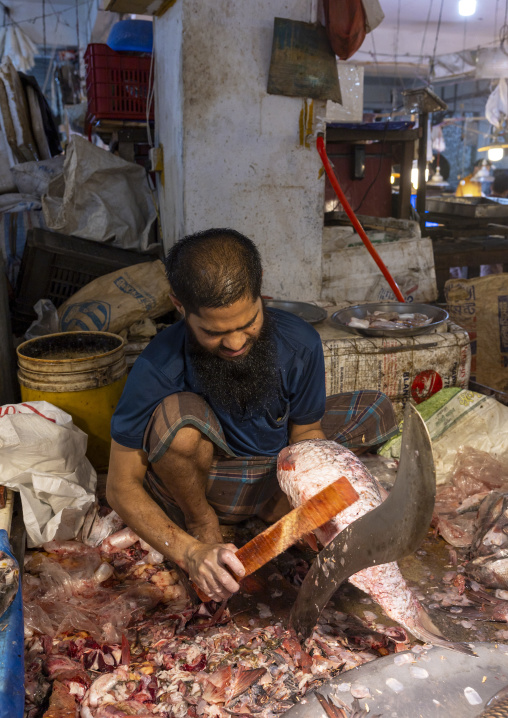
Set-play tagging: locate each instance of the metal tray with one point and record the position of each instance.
(310, 312)
(478, 207)
(343, 316)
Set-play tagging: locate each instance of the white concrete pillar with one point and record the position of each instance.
(235, 156)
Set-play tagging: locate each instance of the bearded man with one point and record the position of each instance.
(212, 400)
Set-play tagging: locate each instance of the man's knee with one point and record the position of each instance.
(189, 442)
(173, 426)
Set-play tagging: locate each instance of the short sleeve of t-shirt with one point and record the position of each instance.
(156, 373)
(303, 369)
(164, 369)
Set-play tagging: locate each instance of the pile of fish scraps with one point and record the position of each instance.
(110, 632)
(390, 320)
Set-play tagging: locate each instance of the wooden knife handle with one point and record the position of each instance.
(278, 537)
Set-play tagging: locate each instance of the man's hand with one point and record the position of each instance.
(207, 566)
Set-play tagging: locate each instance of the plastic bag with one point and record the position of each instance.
(457, 418)
(496, 109)
(43, 457)
(46, 322)
(374, 14)
(102, 197)
(33, 178)
(475, 471)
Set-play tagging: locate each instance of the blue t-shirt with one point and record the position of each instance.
(164, 368)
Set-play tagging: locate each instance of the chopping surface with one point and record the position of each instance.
(432, 683)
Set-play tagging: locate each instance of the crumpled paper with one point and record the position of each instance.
(42, 455)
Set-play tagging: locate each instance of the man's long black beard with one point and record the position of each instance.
(239, 386)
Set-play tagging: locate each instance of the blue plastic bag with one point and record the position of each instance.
(131, 36)
(12, 666)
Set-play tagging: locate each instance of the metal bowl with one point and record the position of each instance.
(343, 316)
(310, 312)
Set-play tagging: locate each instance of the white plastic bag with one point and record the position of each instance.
(42, 455)
(46, 322)
(101, 197)
(496, 109)
(374, 14)
(456, 418)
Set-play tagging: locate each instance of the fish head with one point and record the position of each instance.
(291, 456)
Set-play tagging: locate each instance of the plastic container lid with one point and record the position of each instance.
(131, 36)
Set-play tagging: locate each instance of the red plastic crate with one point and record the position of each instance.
(117, 83)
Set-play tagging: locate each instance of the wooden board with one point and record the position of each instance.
(303, 63)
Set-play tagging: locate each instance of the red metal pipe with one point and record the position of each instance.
(320, 146)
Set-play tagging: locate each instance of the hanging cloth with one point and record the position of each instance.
(347, 23)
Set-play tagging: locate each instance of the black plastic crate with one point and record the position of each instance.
(54, 266)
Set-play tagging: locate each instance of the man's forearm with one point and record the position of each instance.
(150, 523)
(300, 432)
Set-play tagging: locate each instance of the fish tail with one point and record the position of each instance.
(425, 630)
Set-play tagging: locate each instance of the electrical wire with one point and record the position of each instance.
(44, 26)
(433, 59)
(34, 18)
(425, 30)
(397, 35)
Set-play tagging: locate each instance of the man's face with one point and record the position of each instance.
(234, 355)
(228, 332)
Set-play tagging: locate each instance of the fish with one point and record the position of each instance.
(497, 706)
(305, 468)
(9, 580)
(488, 555)
(338, 709)
(389, 320)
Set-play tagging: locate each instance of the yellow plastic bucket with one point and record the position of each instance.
(84, 374)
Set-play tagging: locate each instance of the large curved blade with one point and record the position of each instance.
(389, 532)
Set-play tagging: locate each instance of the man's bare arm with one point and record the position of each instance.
(299, 432)
(205, 563)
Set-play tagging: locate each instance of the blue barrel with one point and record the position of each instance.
(12, 666)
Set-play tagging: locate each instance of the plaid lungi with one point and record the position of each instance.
(239, 487)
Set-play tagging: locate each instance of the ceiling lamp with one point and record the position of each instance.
(496, 147)
(437, 179)
(495, 154)
(467, 7)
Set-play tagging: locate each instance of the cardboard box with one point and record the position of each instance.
(480, 305)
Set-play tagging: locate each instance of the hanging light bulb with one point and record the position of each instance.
(414, 174)
(495, 154)
(467, 7)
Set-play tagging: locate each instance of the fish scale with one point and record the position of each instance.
(497, 710)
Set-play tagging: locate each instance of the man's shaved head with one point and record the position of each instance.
(214, 268)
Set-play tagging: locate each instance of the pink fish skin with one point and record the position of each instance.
(305, 468)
